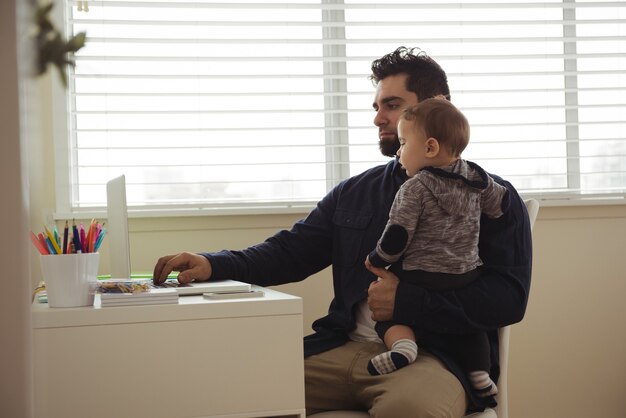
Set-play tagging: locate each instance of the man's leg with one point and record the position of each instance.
(338, 379)
(328, 381)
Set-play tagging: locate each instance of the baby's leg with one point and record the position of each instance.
(475, 349)
(482, 383)
(400, 340)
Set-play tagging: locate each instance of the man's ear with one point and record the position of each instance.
(432, 147)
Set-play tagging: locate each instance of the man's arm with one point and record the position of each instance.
(496, 299)
(288, 256)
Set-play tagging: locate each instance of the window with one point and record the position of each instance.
(206, 104)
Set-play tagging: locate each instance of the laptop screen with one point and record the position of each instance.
(117, 228)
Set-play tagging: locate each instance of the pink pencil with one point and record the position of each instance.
(83, 242)
(40, 247)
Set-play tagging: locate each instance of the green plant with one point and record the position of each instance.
(51, 47)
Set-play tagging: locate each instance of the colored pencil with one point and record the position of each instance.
(53, 241)
(76, 238)
(65, 234)
(103, 232)
(83, 243)
(40, 247)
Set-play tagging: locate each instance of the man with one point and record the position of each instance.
(341, 231)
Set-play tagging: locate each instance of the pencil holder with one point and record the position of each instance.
(71, 279)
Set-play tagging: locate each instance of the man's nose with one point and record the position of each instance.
(380, 119)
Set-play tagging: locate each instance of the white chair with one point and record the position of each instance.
(500, 411)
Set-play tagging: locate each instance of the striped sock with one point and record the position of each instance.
(402, 353)
(482, 383)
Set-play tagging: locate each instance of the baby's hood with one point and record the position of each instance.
(457, 187)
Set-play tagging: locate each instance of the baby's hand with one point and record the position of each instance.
(380, 272)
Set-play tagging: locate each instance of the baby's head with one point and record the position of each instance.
(440, 119)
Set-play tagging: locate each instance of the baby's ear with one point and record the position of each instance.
(432, 147)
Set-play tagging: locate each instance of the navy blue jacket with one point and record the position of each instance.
(346, 225)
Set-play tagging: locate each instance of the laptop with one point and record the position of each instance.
(119, 248)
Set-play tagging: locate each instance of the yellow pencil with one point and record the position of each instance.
(54, 241)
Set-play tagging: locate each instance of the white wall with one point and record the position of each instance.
(568, 355)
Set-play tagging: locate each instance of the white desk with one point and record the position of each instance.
(232, 358)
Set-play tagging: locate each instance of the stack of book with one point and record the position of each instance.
(134, 292)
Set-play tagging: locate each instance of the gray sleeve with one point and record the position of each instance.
(492, 198)
(403, 219)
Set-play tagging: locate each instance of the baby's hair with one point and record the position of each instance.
(441, 120)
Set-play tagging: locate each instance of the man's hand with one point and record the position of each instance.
(192, 267)
(382, 293)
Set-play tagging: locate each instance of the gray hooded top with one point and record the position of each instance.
(434, 221)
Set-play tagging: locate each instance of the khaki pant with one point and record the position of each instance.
(338, 379)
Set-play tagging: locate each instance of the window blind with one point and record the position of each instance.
(237, 105)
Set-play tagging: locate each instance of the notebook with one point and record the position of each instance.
(119, 248)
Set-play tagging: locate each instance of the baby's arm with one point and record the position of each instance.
(403, 219)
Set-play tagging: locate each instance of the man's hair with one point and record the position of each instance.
(425, 77)
(441, 120)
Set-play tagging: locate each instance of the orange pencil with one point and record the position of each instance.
(92, 235)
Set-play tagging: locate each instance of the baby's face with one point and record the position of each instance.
(413, 147)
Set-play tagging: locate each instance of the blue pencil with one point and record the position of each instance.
(99, 240)
(50, 246)
(76, 238)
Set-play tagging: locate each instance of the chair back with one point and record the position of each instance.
(504, 334)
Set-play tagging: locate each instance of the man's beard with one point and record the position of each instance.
(389, 148)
